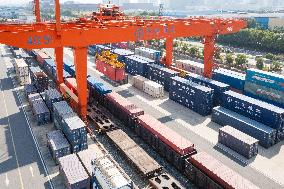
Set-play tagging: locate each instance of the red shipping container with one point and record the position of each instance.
(71, 84)
(41, 56)
(115, 74)
(220, 173)
(120, 101)
(178, 143)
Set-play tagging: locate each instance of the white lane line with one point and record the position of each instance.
(7, 182)
(12, 138)
(32, 171)
(34, 139)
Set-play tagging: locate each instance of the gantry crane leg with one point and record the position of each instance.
(169, 51)
(209, 50)
(59, 64)
(80, 61)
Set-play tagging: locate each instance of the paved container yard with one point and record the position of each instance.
(26, 162)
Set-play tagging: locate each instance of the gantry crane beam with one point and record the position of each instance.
(80, 34)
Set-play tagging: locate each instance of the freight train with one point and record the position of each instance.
(185, 159)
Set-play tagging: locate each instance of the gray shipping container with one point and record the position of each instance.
(238, 141)
(74, 174)
(57, 144)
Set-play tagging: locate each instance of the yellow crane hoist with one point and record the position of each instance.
(111, 59)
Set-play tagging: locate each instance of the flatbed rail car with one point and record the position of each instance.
(164, 181)
(98, 120)
(145, 164)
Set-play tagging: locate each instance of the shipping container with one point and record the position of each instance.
(217, 86)
(192, 95)
(122, 53)
(264, 93)
(145, 164)
(235, 79)
(260, 111)
(69, 67)
(238, 141)
(29, 89)
(190, 66)
(61, 109)
(99, 48)
(100, 88)
(39, 79)
(22, 71)
(153, 89)
(148, 53)
(75, 131)
(207, 172)
(73, 173)
(137, 65)
(49, 66)
(41, 112)
(57, 145)
(160, 75)
(165, 181)
(34, 97)
(266, 79)
(41, 56)
(108, 175)
(111, 72)
(265, 135)
(169, 144)
(52, 96)
(138, 81)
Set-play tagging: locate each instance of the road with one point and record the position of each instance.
(179, 118)
(21, 165)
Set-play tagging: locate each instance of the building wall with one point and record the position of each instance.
(276, 22)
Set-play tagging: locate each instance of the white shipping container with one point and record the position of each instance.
(21, 68)
(138, 82)
(190, 66)
(25, 79)
(154, 89)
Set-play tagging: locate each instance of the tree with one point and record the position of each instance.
(259, 63)
(241, 60)
(276, 66)
(184, 48)
(270, 56)
(229, 58)
(193, 51)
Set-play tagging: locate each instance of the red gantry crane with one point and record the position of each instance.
(111, 26)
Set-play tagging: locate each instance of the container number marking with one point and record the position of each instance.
(39, 40)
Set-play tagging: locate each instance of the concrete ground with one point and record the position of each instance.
(265, 170)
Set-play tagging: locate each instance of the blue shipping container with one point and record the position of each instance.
(263, 133)
(234, 79)
(266, 79)
(260, 111)
(122, 53)
(191, 95)
(218, 87)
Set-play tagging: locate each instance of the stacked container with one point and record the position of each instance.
(161, 75)
(110, 71)
(235, 79)
(137, 65)
(169, 144)
(148, 53)
(153, 89)
(261, 132)
(49, 66)
(57, 144)
(138, 81)
(75, 132)
(74, 174)
(41, 57)
(260, 111)
(39, 79)
(99, 48)
(207, 172)
(96, 87)
(217, 86)
(106, 174)
(266, 86)
(39, 109)
(190, 66)
(238, 141)
(29, 89)
(52, 96)
(122, 53)
(61, 109)
(22, 71)
(191, 95)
